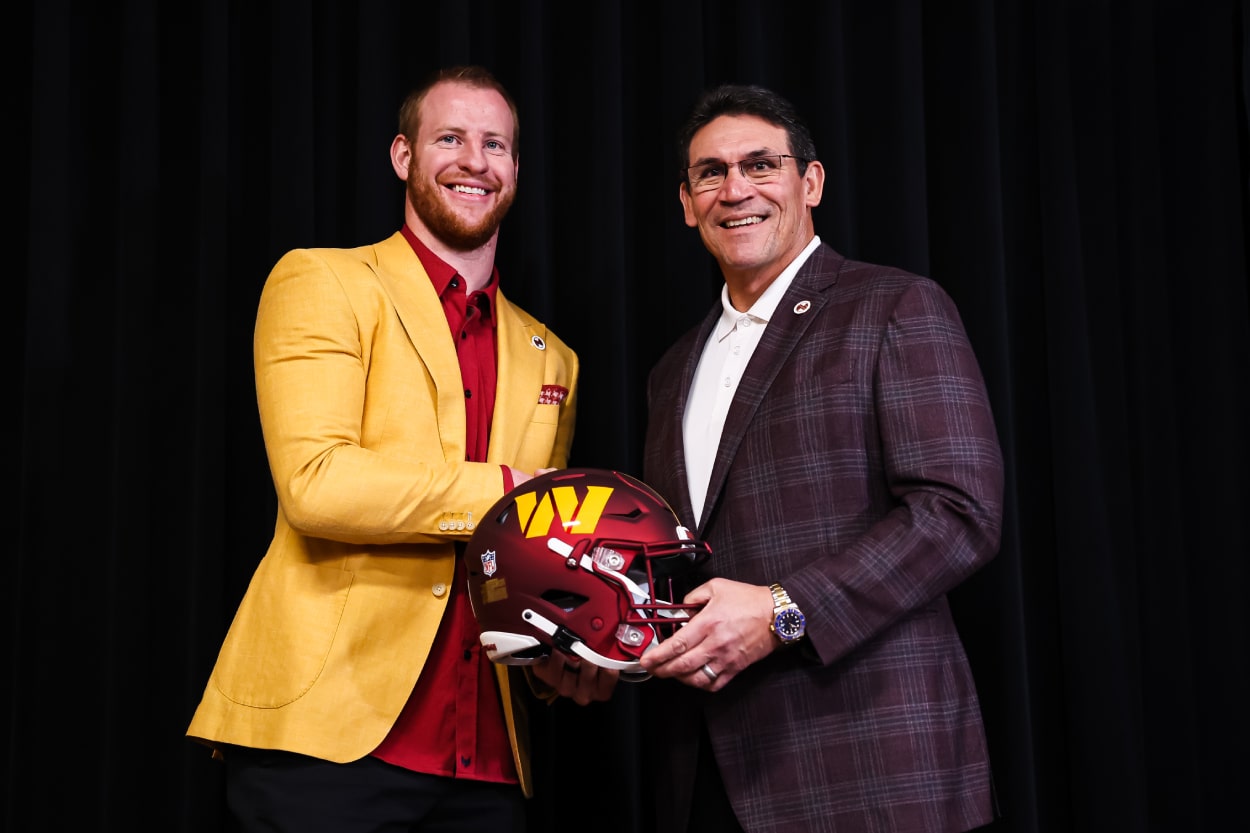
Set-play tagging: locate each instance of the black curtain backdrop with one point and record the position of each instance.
(1075, 174)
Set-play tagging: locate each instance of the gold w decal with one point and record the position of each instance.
(578, 517)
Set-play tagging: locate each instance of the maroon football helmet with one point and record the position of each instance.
(584, 561)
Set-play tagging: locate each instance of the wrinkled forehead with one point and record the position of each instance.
(730, 138)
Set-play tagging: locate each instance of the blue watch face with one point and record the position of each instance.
(790, 624)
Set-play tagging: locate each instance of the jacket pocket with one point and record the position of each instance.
(280, 638)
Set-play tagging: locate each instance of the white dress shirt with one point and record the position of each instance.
(725, 357)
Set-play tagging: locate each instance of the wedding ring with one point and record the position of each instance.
(707, 669)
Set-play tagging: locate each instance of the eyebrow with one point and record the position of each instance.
(456, 130)
(750, 155)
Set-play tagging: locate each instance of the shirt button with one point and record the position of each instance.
(439, 589)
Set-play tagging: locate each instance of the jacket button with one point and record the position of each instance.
(439, 589)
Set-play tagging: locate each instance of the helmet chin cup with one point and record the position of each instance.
(512, 648)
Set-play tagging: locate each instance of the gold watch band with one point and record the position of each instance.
(780, 597)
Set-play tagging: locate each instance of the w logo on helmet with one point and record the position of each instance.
(536, 511)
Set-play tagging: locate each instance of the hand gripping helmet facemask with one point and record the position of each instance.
(584, 561)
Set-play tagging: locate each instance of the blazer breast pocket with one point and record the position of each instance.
(547, 414)
(816, 409)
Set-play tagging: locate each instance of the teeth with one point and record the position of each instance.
(749, 221)
(465, 189)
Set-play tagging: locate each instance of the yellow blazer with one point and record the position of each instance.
(362, 408)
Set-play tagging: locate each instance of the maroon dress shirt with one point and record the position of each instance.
(453, 723)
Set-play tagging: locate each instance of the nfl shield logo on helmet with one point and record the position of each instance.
(488, 563)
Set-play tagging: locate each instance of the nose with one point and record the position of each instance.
(472, 157)
(735, 184)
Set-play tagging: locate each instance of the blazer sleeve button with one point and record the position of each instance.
(439, 589)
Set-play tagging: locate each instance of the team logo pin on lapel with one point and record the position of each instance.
(802, 307)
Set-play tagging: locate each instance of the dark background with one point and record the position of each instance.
(1075, 174)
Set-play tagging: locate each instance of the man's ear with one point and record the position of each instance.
(813, 184)
(401, 156)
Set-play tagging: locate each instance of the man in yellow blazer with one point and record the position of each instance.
(400, 395)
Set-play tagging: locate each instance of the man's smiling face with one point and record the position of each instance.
(753, 229)
(462, 173)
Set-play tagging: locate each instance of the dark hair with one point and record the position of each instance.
(747, 100)
(469, 75)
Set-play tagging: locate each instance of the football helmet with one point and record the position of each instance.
(584, 561)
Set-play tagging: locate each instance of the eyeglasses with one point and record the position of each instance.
(708, 176)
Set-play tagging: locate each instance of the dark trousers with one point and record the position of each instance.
(281, 792)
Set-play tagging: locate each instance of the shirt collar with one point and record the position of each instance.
(441, 272)
(765, 305)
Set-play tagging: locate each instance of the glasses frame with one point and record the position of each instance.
(741, 165)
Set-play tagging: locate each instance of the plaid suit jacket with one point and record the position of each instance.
(860, 467)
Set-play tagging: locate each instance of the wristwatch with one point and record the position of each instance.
(789, 623)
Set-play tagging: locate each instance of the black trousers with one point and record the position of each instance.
(281, 792)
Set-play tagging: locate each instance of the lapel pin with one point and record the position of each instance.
(538, 342)
(802, 307)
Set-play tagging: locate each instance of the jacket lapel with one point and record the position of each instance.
(798, 308)
(401, 274)
(521, 364)
(677, 407)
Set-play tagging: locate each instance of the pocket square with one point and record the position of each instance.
(552, 395)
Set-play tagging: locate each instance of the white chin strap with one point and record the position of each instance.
(504, 646)
(630, 670)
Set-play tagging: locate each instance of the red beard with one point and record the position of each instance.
(443, 223)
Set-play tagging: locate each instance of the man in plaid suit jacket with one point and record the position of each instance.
(826, 430)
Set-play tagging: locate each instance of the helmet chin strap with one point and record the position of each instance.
(631, 671)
